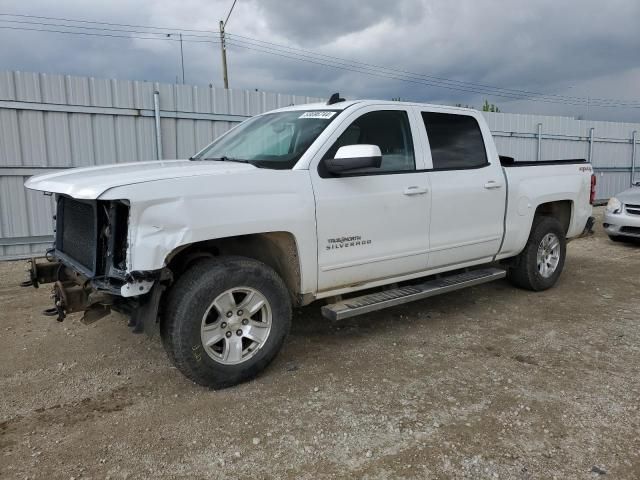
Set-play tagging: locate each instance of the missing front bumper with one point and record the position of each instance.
(73, 292)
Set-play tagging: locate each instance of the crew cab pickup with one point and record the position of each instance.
(365, 204)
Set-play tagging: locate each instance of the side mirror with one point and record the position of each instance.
(354, 157)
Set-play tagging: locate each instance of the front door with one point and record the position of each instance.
(374, 224)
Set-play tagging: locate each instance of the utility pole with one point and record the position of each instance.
(182, 58)
(223, 48)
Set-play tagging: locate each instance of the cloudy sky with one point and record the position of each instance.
(574, 54)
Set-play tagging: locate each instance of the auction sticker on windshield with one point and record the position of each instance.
(325, 115)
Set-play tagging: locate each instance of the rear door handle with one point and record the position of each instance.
(491, 184)
(415, 190)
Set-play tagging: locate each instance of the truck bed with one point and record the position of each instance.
(535, 183)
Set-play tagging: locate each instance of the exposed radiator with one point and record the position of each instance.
(76, 231)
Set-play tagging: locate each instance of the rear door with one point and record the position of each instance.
(374, 224)
(468, 191)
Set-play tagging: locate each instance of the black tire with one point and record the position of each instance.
(190, 298)
(617, 238)
(524, 273)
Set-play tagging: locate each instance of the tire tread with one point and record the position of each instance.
(524, 273)
(188, 291)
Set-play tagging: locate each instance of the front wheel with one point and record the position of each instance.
(540, 264)
(226, 319)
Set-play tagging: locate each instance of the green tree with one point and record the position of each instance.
(489, 107)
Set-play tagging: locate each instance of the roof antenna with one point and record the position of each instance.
(335, 98)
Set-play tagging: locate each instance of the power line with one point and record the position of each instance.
(342, 66)
(486, 89)
(412, 80)
(366, 72)
(308, 56)
(105, 23)
(30, 22)
(355, 67)
(224, 24)
(257, 42)
(69, 32)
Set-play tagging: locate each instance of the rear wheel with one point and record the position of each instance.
(226, 320)
(540, 264)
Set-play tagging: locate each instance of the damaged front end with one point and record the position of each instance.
(88, 265)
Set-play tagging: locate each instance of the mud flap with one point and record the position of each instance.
(144, 318)
(588, 228)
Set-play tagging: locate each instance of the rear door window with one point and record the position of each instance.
(456, 141)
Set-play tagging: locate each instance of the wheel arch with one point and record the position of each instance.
(279, 250)
(562, 210)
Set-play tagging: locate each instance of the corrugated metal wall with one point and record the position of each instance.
(49, 122)
(539, 137)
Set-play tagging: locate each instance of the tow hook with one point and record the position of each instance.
(50, 312)
(67, 298)
(55, 311)
(61, 302)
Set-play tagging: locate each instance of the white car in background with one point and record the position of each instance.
(622, 215)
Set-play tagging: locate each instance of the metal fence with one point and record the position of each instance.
(610, 146)
(51, 122)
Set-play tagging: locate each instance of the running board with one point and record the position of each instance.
(397, 296)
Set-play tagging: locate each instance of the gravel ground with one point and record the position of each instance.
(491, 382)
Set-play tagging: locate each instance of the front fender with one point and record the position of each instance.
(167, 215)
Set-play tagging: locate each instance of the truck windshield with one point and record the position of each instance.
(274, 140)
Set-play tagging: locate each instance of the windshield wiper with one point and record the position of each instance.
(226, 159)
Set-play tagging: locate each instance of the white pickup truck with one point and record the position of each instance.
(366, 204)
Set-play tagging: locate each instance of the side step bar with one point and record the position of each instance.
(390, 298)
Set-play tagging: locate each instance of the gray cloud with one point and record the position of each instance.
(324, 21)
(579, 48)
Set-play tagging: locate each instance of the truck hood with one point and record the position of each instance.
(89, 183)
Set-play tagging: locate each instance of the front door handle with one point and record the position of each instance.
(491, 184)
(415, 190)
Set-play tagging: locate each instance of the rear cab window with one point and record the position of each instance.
(455, 140)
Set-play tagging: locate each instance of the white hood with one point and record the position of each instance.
(89, 183)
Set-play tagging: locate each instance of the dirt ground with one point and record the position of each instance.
(491, 382)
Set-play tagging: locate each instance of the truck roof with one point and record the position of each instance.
(347, 103)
